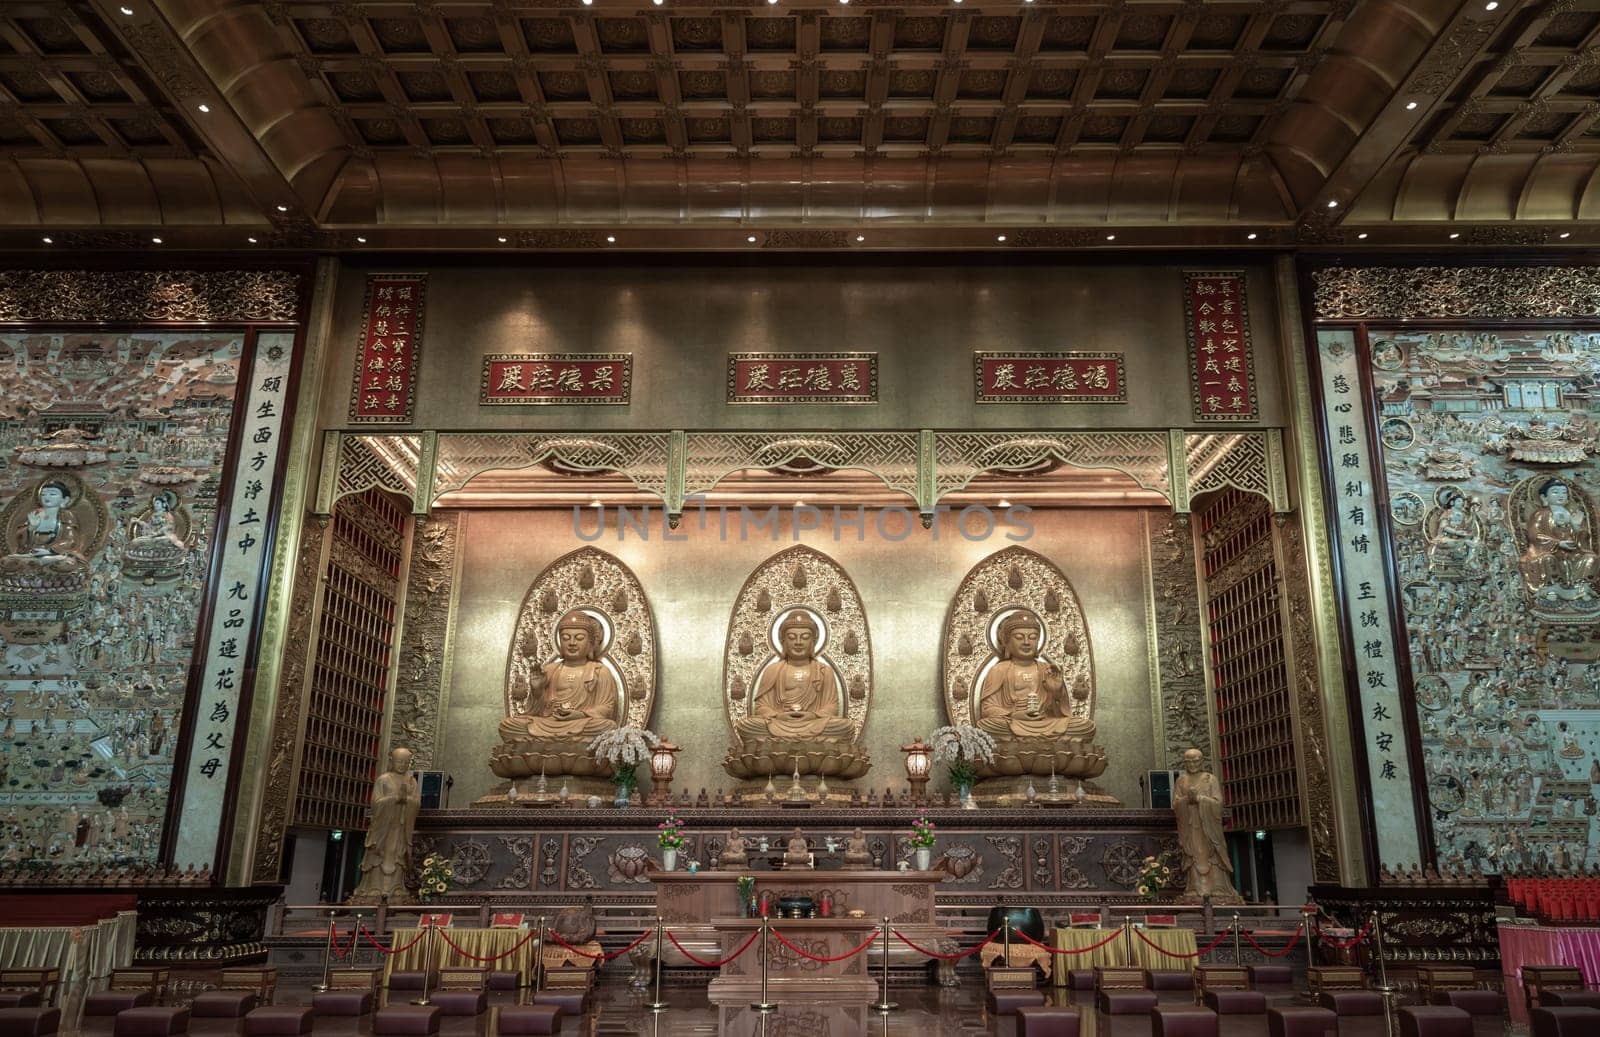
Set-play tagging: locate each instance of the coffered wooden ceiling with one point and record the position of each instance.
(560, 123)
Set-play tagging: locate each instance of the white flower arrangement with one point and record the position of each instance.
(624, 748)
(961, 746)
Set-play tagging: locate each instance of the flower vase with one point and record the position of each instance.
(965, 793)
(621, 798)
(924, 857)
(669, 859)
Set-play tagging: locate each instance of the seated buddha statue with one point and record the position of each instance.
(796, 722)
(46, 555)
(1558, 565)
(797, 696)
(568, 701)
(1022, 697)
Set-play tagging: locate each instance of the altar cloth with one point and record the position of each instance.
(485, 943)
(1115, 953)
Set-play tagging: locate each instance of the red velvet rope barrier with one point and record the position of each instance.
(493, 957)
(333, 941)
(1276, 954)
(714, 964)
(1069, 950)
(1179, 954)
(1343, 944)
(946, 957)
(847, 954)
(601, 957)
(392, 950)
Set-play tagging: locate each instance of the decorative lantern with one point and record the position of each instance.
(919, 764)
(663, 761)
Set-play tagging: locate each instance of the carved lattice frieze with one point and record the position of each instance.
(960, 457)
(709, 457)
(1499, 292)
(1243, 460)
(364, 462)
(640, 456)
(149, 296)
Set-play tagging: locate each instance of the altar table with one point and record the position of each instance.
(484, 943)
(1545, 945)
(1115, 953)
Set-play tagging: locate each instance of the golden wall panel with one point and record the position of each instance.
(905, 587)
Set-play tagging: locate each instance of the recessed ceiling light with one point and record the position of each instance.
(588, 3)
(51, 241)
(751, 239)
(283, 208)
(1564, 234)
(799, 502)
(1002, 502)
(1000, 237)
(1454, 235)
(1362, 235)
(1491, 5)
(1111, 237)
(501, 239)
(251, 240)
(611, 239)
(1411, 106)
(127, 11)
(658, 3)
(595, 503)
(205, 109)
(1251, 236)
(361, 241)
(155, 241)
(1332, 204)
(861, 237)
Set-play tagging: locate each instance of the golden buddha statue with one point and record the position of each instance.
(797, 696)
(567, 701)
(572, 696)
(796, 723)
(1557, 564)
(1022, 697)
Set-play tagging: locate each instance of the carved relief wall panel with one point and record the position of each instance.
(1486, 444)
(422, 684)
(114, 445)
(1179, 657)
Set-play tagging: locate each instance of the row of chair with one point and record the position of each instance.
(1036, 1019)
(1561, 900)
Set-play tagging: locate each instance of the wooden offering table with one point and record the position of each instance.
(792, 977)
(690, 906)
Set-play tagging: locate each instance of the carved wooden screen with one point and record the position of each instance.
(351, 653)
(1248, 661)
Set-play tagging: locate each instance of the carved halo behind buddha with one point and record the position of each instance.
(799, 705)
(1033, 689)
(583, 661)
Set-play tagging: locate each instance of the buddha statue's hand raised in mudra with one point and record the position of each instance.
(1022, 697)
(797, 696)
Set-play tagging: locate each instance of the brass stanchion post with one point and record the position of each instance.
(764, 1005)
(1307, 916)
(659, 1005)
(427, 962)
(1238, 959)
(1388, 992)
(327, 958)
(538, 959)
(1008, 943)
(883, 1004)
(1127, 941)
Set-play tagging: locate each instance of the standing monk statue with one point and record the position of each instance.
(1198, 803)
(387, 862)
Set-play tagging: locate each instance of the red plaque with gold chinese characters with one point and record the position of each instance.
(543, 378)
(1221, 363)
(385, 385)
(802, 378)
(1049, 377)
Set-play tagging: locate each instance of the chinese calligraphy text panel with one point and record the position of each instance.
(802, 377)
(385, 383)
(117, 444)
(1049, 377)
(556, 378)
(1222, 369)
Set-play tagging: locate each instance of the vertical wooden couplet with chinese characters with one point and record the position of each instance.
(1216, 318)
(385, 384)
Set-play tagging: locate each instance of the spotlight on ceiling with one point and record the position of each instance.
(1411, 106)
(1111, 237)
(1362, 236)
(251, 240)
(1251, 236)
(1454, 235)
(1563, 234)
(51, 241)
(205, 109)
(1000, 237)
(1332, 204)
(751, 239)
(611, 239)
(155, 241)
(501, 239)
